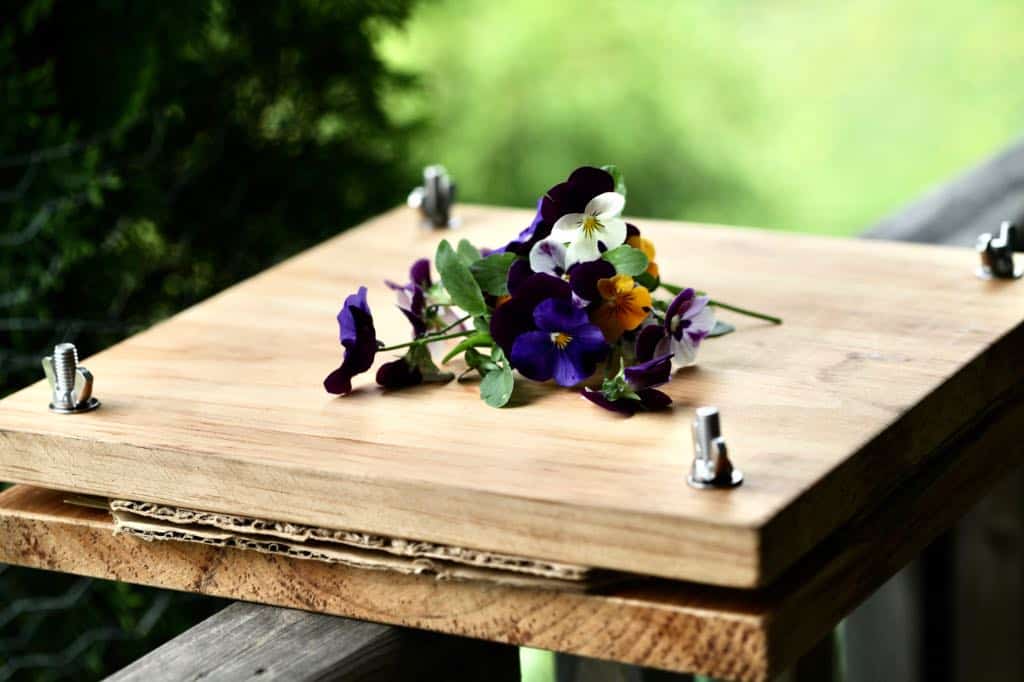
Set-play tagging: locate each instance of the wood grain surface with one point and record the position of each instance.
(886, 351)
(684, 627)
(247, 642)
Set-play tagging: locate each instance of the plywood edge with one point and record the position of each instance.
(673, 626)
(667, 547)
(684, 627)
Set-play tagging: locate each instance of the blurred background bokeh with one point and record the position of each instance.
(153, 153)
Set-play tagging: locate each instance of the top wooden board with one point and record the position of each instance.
(887, 351)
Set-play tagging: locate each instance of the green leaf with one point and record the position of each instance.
(473, 341)
(477, 360)
(627, 260)
(491, 273)
(467, 252)
(648, 281)
(721, 329)
(458, 280)
(496, 388)
(618, 177)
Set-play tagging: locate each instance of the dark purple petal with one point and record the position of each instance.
(653, 399)
(679, 304)
(398, 374)
(572, 196)
(647, 340)
(419, 273)
(533, 354)
(650, 373)
(515, 316)
(572, 365)
(626, 406)
(583, 278)
(346, 325)
(590, 339)
(517, 274)
(632, 230)
(360, 346)
(558, 315)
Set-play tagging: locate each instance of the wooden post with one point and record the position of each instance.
(248, 641)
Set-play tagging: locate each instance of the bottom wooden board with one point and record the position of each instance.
(728, 633)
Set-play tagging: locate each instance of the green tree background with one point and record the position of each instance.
(154, 153)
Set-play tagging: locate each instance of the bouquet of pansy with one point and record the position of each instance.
(571, 299)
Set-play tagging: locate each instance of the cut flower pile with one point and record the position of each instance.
(571, 297)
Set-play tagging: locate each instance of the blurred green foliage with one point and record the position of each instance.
(150, 155)
(154, 153)
(814, 116)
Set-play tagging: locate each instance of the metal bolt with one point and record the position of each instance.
(435, 197)
(997, 253)
(70, 385)
(711, 466)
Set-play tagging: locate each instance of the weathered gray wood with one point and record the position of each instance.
(964, 207)
(248, 641)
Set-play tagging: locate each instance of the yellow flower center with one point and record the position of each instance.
(561, 340)
(591, 225)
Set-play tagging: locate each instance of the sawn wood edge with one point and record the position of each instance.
(685, 627)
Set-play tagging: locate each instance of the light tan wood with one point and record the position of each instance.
(887, 349)
(728, 633)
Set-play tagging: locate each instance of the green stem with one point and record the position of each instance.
(455, 324)
(675, 289)
(427, 339)
(744, 311)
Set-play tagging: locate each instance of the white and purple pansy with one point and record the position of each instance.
(599, 223)
(689, 319)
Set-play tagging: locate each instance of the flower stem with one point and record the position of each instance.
(427, 339)
(455, 324)
(675, 289)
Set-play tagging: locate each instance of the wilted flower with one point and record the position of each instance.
(359, 338)
(565, 346)
(633, 387)
(399, 374)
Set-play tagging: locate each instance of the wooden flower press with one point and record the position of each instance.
(887, 403)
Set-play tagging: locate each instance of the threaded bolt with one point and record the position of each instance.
(65, 362)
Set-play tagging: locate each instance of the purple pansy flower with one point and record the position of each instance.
(634, 387)
(359, 338)
(688, 321)
(565, 346)
(515, 316)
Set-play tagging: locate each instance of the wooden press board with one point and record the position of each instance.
(887, 350)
